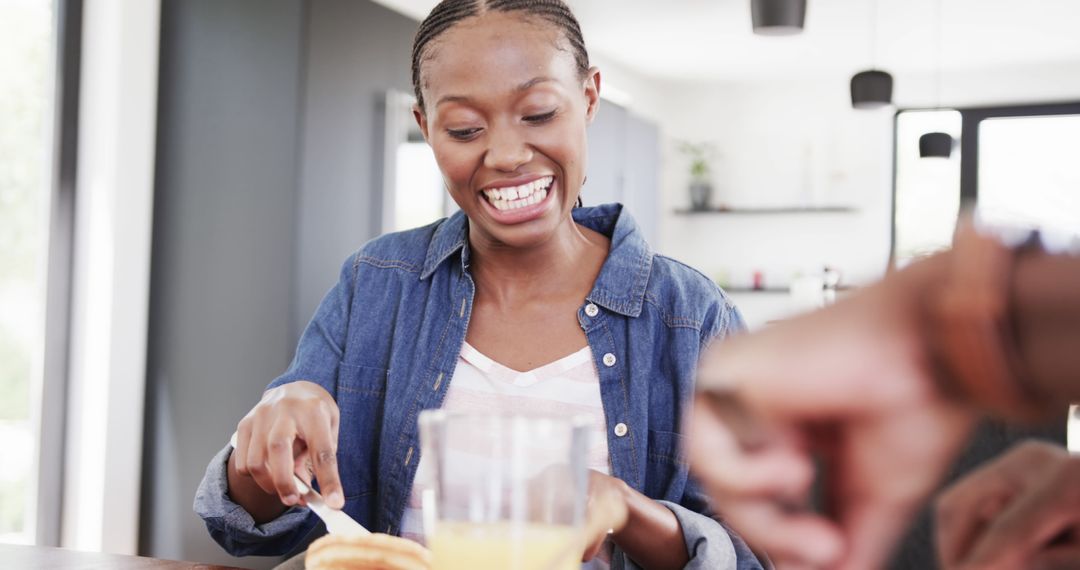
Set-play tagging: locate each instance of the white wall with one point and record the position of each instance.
(800, 143)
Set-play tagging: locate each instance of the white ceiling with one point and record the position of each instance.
(711, 40)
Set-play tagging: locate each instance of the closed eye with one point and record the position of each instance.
(541, 118)
(462, 134)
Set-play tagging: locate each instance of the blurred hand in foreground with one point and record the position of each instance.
(368, 552)
(849, 385)
(1021, 510)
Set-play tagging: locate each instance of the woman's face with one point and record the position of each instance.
(506, 111)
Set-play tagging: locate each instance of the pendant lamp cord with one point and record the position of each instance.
(937, 80)
(874, 30)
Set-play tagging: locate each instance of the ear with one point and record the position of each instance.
(592, 93)
(421, 121)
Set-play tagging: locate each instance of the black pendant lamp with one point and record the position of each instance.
(935, 145)
(871, 89)
(778, 17)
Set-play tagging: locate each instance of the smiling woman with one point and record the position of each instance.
(521, 302)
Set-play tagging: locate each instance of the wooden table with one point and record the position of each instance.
(36, 557)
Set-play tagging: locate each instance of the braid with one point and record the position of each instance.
(445, 14)
(556, 12)
(449, 12)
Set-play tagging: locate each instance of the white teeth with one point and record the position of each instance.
(510, 198)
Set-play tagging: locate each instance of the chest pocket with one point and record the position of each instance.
(666, 468)
(361, 394)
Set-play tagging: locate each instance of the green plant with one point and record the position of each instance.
(699, 153)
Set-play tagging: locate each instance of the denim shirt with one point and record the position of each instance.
(385, 340)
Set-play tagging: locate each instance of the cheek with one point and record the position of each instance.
(566, 145)
(456, 162)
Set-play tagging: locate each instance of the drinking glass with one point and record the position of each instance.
(503, 492)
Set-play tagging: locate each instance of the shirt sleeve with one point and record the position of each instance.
(725, 320)
(710, 544)
(700, 530)
(234, 529)
(317, 357)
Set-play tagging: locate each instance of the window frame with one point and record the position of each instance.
(52, 404)
(970, 118)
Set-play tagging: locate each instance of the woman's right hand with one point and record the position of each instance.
(293, 429)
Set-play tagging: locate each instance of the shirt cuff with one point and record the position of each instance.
(228, 522)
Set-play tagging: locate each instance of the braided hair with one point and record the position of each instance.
(449, 12)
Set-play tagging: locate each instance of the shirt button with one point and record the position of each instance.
(621, 429)
(609, 360)
(591, 310)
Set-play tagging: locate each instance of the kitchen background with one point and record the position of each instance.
(233, 152)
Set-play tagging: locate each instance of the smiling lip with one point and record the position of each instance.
(519, 200)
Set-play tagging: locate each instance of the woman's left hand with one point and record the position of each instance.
(606, 511)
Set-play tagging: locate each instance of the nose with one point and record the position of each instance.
(507, 149)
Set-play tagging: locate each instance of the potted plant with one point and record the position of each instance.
(701, 188)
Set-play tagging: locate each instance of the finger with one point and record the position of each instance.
(873, 529)
(718, 460)
(1028, 524)
(321, 441)
(800, 538)
(243, 440)
(256, 457)
(280, 460)
(593, 549)
(964, 511)
(982, 494)
(607, 510)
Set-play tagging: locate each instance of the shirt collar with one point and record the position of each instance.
(620, 287)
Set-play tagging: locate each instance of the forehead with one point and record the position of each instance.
(495, 51)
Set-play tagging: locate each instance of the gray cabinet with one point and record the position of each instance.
(624, 165)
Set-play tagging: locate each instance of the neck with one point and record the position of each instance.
(567, 263)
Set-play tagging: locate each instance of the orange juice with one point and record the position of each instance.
(505, 546)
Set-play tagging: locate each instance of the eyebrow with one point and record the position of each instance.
(523, 87)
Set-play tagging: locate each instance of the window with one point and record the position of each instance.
(419, 195)
(413, 191)
(927, 196)
(1028, 173)
(1016, 165)
(26, 111)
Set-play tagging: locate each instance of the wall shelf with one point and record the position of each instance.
(742, 290)
(769, 210)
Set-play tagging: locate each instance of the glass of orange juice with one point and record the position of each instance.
(503, 492)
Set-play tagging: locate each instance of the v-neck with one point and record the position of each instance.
(489, 365)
